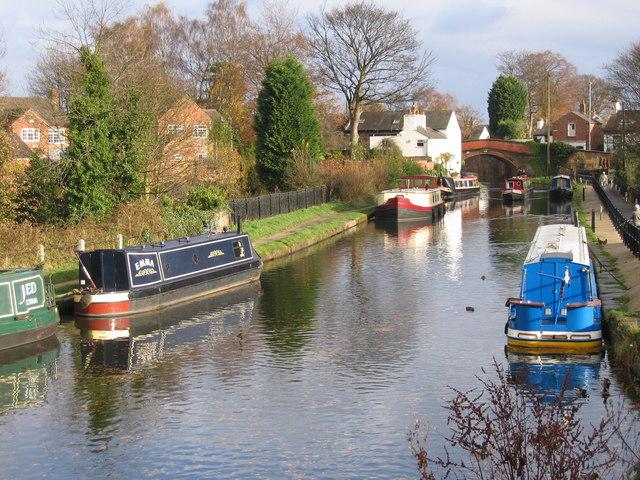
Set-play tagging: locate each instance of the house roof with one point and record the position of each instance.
(213, 114)
(431, 133)
(19, 149)
(393, 121)
(476, 132)
(438, 119)
(50, 113)
(618, 122)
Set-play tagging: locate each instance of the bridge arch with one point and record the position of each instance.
(494, 160)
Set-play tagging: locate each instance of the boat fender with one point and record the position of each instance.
(506, 327)
(471, 309)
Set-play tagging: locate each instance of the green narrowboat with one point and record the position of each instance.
(28, 311)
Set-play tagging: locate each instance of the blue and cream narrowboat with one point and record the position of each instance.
(558, 309)
(561, 187)
(28, 311)
(115, 282)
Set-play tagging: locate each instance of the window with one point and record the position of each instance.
(421, 143)
(571, 130)
(177, 157)
(238, 249)
(202, 157)
(56, 136)
(174, 129)
(200, 131)
(30, 134)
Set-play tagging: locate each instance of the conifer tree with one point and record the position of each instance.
(286, 120)
(91, 153)
(507, 103)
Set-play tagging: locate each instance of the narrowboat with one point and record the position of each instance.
(561, 187)
(417, 198)
(516, 188)
(117, 282)
(456, 187)
(558, 309)
(28, 311)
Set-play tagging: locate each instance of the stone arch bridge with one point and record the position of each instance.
(495, 159)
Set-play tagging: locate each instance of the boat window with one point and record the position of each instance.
(238, 249)
(509, 184)
(568, 183)
(195, 258)
(518, 183)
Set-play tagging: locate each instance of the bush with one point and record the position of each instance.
(185, 221)
(507, 129)
(40, 196)
(206, 198)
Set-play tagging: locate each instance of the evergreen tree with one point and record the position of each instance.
(91, 152)
(507, 103)
(286, 120)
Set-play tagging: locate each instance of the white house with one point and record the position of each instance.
(480, 132)
(420, 135)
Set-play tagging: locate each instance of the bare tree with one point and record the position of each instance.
(368, 54)
(602, 95)
(624, 76)
(3, 51)
(532, 68)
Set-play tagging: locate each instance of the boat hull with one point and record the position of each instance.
(461, 193)
(31, 335)
(561, 194)
(554, 341)
(514, 195)
(115, 304)
(399, 209)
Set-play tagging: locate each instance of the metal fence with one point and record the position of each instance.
(277, 203)
(628, 231)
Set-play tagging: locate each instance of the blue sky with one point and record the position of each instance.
(465, 35)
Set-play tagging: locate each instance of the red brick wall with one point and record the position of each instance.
(30, 119)
(560, 130)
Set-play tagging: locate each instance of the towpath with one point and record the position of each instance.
(628, 266)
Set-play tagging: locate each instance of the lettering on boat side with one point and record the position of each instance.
(29, 293)
(144, 267)
(215, 253)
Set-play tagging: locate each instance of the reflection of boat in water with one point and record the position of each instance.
(558, 309)
(417, 234)
(121, 343)
(549, 375)
(514, 209)
(23, 374)
(559, 207)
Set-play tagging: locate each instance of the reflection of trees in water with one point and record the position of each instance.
(24, 372)
(551, 375)
(288, 302)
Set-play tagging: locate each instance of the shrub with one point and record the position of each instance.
(206, 198)
(184, 221)
(40, 197)
(507, 129)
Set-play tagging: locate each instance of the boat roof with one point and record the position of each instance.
(182, 242)
(563, 176)
(559, 241)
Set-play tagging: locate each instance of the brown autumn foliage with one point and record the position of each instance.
(531, 68)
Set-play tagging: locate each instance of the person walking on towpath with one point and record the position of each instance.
(604, 180)
(636, 216)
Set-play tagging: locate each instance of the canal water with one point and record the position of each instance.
(318, 372)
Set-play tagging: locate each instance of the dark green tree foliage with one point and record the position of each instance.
(92, 152)
(40, 196)
(507, 102)
(286, 119)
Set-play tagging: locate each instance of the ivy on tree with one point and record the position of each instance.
(286, 120)
(507, 103)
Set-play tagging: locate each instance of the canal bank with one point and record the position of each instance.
(619, 284)
(273, 237)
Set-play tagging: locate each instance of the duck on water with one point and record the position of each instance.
(116, 282)
(558, 309)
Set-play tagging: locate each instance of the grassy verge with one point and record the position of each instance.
(311, 235)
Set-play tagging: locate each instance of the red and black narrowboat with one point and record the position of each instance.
(516, 188)
(115, 282)
(418, 198)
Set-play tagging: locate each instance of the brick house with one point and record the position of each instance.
(621, 123)
(573, 128)
(185, 128)
(34, 125)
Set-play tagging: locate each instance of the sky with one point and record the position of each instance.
(464, 35)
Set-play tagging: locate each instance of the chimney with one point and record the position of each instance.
(583, 106)
(54, 97)
(539, 123)
(618, 106)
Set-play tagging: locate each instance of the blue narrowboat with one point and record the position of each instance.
(116, 282)
(561, 187)
(558, 309)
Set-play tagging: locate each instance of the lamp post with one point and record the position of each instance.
(548, 122)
